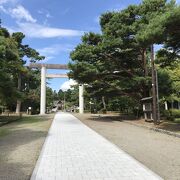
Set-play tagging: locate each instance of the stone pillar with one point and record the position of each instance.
(43, 91)
(81, 99)
(166, 106)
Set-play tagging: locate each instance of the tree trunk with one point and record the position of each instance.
(104, 103)
(144, 62)
(154, 88)
(18, 105)
(146, 89)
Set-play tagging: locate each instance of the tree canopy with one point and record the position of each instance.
(116, 62)
(13, 57)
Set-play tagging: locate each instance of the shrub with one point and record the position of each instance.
(167, 115)
(103, 111)
(175, 113)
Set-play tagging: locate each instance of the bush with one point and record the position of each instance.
(137, 112)
(103, 111)
(167, 115)
(175, 113)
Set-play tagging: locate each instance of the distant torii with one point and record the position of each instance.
(43, 68)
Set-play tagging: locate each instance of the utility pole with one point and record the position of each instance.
(64, 101)
(157, 93)
(154, 88)
(154, 103)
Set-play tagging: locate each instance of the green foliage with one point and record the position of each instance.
(165, 83)
(71, 97)
(171, 114)
(167, 115)
(9, 64)
(116, 62)
(13, 56)
(175, 113)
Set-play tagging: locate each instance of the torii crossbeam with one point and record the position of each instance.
(43, 68)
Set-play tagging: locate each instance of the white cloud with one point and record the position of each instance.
(3, 9)
(48, 15)
(51, 51)
(8, 1)
(117, 7)
(27, 24)
(67, 85)
(45, 12)
(35, 30)
(20, 13)
(56, 49)
(97, 19)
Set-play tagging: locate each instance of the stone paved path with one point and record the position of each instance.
(72, 151)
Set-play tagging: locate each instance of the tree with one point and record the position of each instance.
(171, 50)
(115, 63)
(13, 73)
(9, 64)
(24, 52)
(110, 62)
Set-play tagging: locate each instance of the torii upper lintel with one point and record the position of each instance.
(48, 66)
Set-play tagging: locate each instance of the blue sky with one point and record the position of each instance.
(54, 27)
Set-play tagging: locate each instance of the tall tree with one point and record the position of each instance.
(9, 65)
(114, 63)
(24, 52)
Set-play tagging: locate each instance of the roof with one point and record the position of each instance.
(146, 99)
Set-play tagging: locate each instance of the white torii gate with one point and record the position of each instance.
(43, 68)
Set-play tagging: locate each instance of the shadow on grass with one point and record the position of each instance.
(8, 118)
(165, 125)
(4, 120)
(109, 118)
(170, 126)
(15, 171)
(24, 143)
(34, 119)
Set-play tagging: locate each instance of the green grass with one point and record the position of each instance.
(4, 119)
(33, 119)
(177, 120)
(26, 119)
(3, 132)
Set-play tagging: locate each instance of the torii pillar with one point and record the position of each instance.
(81, 99)
(43, 91)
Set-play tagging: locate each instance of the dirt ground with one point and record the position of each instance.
(20, 145)
(159, 152)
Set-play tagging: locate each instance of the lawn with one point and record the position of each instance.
(20, 144)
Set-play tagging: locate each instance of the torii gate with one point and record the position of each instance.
(43, 68)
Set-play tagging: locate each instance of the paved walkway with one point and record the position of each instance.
(72, 151)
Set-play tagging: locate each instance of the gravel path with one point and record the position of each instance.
(159, 152)
(20, 147)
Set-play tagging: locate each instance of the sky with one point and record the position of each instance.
(54, 27)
